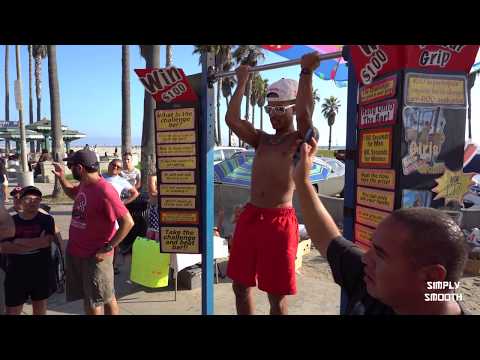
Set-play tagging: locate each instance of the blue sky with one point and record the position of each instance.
(90, 91)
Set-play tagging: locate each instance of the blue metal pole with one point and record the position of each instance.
(350, 160)
(206, 124)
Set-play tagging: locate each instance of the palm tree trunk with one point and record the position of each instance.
(38, 85)
(151, 54)
(23, 145)
(126, 121)
(261, 118)
(253, 115)
(169, 56)
(229, 130)
(7, 87)
(329, 138)
(219, 94)
(30, 97)
(57, 139)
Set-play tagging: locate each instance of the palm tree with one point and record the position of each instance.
(23, 147)
(39, 53)
(223, 60)
(30, 99)
(257, 83)
(169, 56)
(7, 95)
(249, 55)
(126, 121)
(262, 97)
(55, 114)
(329, 111)
(151, 54)
(227, 86)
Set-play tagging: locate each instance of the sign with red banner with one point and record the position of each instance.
(372, 61)
(168, 85)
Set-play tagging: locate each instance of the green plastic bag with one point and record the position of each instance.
(150, 267)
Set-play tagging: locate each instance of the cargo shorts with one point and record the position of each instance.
(89, 280)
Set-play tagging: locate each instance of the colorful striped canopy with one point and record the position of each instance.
(237, 170)
(335, 69)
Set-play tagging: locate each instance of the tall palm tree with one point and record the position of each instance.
(257, 83)
(169, 56)
(23, 147)
(30, 98)
(249, 55)
(227, 86)
(330, 108)
(55, 113)
(7, 95)
(39, 52)
(151, 54)
(126, 120)
(223, 60)
(262, 98)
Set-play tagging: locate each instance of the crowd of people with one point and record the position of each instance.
(410, 247)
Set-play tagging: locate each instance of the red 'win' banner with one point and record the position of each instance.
(372, 61)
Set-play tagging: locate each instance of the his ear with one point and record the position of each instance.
(435, 272)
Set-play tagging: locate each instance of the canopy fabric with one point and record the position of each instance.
(237, 170)
(334, 69)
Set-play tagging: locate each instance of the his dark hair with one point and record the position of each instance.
(91, 169)
(127, 154)
(434, 238)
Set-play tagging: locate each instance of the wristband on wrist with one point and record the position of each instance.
(306, 71)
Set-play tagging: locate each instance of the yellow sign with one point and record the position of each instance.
(179, 217)
(178, 177)
(175, 119)
(369, 217)
(177, 203)
(453, 185)
(180, 163)
(178, 190)
(381, 89)
(176, 137)
(434, 90)
(378, 199)
(377, 178)
(179, 239)
(363, 234)
(376, 147)
(176, 150)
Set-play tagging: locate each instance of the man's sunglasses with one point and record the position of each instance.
(115, 166)
(278, 109)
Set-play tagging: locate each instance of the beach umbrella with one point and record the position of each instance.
(334, 69)
(237, 171)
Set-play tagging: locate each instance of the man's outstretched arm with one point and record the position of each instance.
(319, 223)
(68, 187)
(304, 104)
(242, 128)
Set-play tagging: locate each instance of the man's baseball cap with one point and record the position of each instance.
(83, 157)
(30, 190)
(282, 90)
(15, 191)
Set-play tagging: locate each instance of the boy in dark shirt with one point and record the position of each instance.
(29, 272)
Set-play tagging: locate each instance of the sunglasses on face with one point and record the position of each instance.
(113, 166)
(278, 109)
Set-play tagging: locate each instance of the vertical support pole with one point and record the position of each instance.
(206, 155)
(351, 148)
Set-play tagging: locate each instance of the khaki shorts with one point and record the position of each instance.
(86, 279)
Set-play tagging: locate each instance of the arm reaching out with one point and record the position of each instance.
(242, 128)
(68, 187)
(320, 225)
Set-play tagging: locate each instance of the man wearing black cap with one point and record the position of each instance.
(92, 234)
(29, 264)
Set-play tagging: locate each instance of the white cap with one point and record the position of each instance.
(282, 90)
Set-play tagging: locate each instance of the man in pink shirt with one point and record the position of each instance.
(92, 235)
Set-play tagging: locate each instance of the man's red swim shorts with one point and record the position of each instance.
(264, 249)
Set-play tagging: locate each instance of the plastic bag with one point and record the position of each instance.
(150, 267)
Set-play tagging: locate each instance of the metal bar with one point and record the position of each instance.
(207, 127)
(350, 164)
(281, 64)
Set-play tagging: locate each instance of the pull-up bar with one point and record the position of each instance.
(277, 65)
